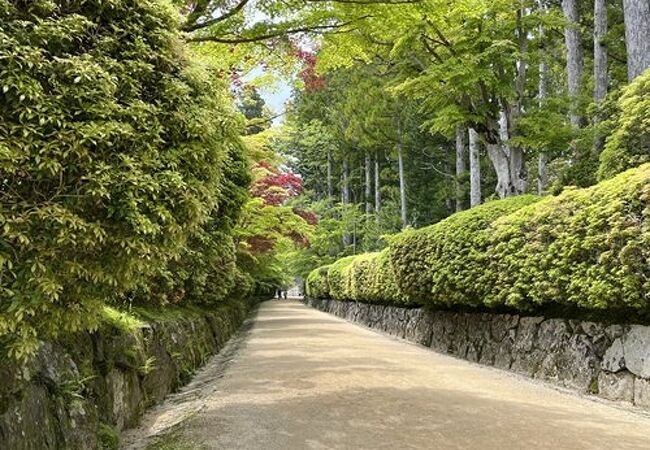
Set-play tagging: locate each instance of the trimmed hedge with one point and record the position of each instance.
(629, 144)
(439, 263)
(588, 248)
(316, 285)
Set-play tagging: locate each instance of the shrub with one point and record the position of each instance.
(586, 247)
(206, 272)
(378, 284)
(439, 263)
(339, 280)
(316, 285)
(112, 147)
(629, 145)
(359, 274)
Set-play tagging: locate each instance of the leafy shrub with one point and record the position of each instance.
(629, 145)
(367, 277)
(207, 272)
(316, 285)
(373, 279)
(587, 248)
(439, 263)
(112, 148)
(338, 278)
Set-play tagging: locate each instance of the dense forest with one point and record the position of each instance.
(408, 113)
(139, 163)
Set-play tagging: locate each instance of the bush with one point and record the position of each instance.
(112, 153)
(439, 263)
(339, 280)
(586, 248)
(375, 281)
(629, 145)
(316, 285)
(367, 277)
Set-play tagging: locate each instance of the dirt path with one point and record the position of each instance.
(302, 379)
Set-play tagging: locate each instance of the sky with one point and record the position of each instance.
(275, 96)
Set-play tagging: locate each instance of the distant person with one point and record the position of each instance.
(278, 293)
(284, 293)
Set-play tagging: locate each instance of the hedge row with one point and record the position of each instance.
(629, 144)
(588, 248)
(121, 172)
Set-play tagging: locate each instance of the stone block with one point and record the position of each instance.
(642, 392)
(636, 349)
(614, 358)
(616, 386)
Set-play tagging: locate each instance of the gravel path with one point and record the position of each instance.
(301, 379)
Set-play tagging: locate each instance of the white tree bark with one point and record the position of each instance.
(600, 50)
(508, 163)
(368, 185)
(330, 185)
(474, 170)
(600, 64)
(402, 178)
(345, 196)
(377, 186)
(345, 185)
(637, 36)
(461, 133)
(574, 64)
(542, 173)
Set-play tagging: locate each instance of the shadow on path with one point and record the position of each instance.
(306, 380)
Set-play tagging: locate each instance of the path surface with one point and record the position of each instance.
(305, 380)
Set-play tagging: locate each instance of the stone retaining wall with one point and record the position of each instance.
(610, 361)
(79, 393)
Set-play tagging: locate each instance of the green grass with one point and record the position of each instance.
(121, 320)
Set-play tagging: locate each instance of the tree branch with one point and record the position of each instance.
(271, 35)
(189, 27)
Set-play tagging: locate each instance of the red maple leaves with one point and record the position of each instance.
(276, 187)
(308, 75)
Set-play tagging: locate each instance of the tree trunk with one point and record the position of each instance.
(637, 36)
(345, 197)
(474, 170)
(542, 174)
(508, 162)
(402, 180)
(345, 188)
(600, 50)
(461, 133)
(330, 186)
(574, 56)
(377, 186)
(600, 66)
(368, 185)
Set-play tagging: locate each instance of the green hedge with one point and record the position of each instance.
(439, 263)
(316, 285)
(115, 156)
(629, 144)
(588, 248)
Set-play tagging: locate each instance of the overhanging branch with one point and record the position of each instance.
(274, 34)
(189, 27)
